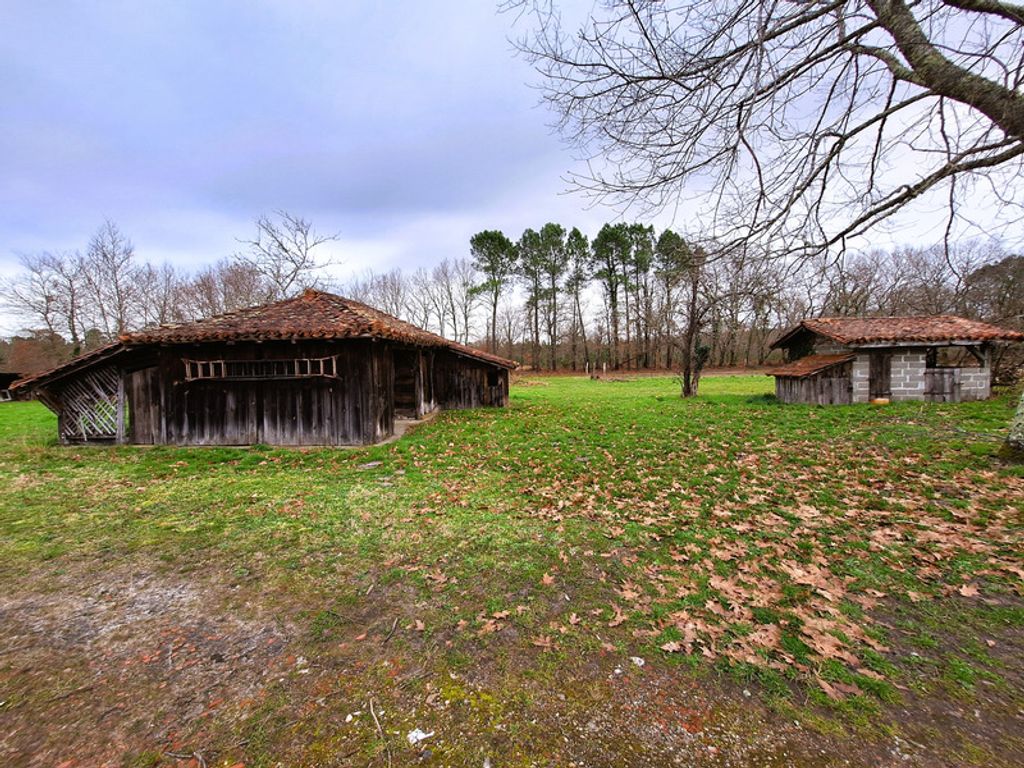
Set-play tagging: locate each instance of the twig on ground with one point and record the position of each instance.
(197, 756)
(69, 694)
(390, 633)
(380, 731)
(14, 648)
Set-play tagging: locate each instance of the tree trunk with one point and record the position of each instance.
(614, 327)
(1013, 448)
(535, 352)
(582, 329)
(690, 375)
(494, 322)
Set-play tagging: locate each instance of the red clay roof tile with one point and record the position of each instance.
(926, 329)
(313, 315)
(810, 365)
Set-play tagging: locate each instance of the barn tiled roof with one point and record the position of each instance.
(934, 329)
(105, 352)
(313, 315)
(810, 365)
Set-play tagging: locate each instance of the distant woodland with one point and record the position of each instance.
(625, 297)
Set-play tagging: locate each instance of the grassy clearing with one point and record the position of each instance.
(820, 555)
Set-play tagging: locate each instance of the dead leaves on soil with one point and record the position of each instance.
(793, 560)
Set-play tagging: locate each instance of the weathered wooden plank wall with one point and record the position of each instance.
(460, 382)
(373, 381)
(142, 390)
(352, 408)
(830, 387)
(942, 385)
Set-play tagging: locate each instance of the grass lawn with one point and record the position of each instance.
(600, 573)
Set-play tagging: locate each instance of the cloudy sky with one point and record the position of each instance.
(405, 127)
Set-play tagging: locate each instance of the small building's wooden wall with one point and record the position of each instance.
(460, 382)
(833, 386)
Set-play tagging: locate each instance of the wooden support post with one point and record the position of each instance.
(120, 436)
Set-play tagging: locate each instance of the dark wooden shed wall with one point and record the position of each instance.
(460, 382)
(833, 386)
(355, 407)
(352, 408)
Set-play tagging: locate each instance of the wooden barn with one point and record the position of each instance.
(318, 369)
(858, 359)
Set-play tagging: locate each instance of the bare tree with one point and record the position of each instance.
(111, 277)
(455, 290)
(283, 253)
(807, 123)
(577, 277)
(222, 287)
(48, 294)
(511, 324)
(424, 304)
(161, 293)
(387, 291)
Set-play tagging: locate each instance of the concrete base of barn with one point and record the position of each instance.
(405, 425)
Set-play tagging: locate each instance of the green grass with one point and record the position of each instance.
(727, 531)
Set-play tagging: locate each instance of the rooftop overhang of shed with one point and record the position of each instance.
(125, 351)
(898, 332)
(810, 365)
(920, 344)
(26, 387)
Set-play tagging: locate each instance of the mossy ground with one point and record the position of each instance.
(489, 576)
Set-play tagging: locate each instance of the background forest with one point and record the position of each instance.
(625, 297)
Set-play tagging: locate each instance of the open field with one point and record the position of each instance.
(804, 586)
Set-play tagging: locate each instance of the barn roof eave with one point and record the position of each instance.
(25, 386)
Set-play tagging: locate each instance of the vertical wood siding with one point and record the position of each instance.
(348, 410)
(358, 406)
(833, 386)
(460, 382)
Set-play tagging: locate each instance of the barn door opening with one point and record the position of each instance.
(406, 365)
(880, 375)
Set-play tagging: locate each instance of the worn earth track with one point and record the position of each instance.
(138, 665)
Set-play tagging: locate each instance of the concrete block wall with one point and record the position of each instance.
(861, 370)
(908, 374)
(975, 383)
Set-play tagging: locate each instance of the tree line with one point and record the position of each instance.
(553, 298)
(76, 301)
(632, 298)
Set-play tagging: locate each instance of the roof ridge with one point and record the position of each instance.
(312, 314)
(926, 329)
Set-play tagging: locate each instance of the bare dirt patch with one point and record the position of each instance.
(101, 663)
(145, 666)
